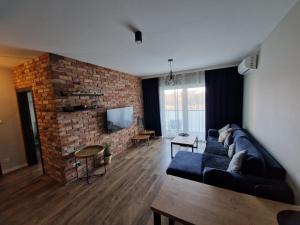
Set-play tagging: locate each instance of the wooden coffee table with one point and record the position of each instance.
(190, 202)
(185, 141)
(148, 132)
(140, 137)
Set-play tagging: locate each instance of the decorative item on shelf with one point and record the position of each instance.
(107, 154)
(171, 78)
(78, 108)
(94, 105)
(79, 93)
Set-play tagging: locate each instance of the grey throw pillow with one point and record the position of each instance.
(228, 140)
(231, 150)
(224, 134)
(224, 128)
(236, 162)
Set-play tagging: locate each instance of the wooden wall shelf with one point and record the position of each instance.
(78, 110)
(80, 94)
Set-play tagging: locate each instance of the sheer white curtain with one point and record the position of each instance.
(182, 106)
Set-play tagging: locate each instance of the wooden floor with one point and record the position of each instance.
(123, 196)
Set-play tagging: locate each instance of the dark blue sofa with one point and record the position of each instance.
(261, 174)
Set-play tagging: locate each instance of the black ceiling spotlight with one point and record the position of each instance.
(138, 37)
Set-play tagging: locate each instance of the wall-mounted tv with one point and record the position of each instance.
(119, 118)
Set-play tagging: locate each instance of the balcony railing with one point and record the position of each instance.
(195, 122)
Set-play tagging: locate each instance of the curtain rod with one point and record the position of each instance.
(190, 71)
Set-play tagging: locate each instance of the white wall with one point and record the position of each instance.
(12, 152)
(272, 96)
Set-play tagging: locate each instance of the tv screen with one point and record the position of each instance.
(119, 118)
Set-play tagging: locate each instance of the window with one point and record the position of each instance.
(183, 107)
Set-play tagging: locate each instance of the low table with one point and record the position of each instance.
(185, 141)
(148, 132)
(89, 152)
(190, 202)
(139, 137)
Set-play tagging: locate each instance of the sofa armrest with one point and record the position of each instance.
(277, 192)
(213, 133)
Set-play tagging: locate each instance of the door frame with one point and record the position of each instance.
(29, 89)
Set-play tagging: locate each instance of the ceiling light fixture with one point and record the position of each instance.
(138, 37)
(171, 79)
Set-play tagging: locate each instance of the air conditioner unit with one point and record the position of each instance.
(247, 65)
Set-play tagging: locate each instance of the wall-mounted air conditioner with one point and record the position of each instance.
(247, 65)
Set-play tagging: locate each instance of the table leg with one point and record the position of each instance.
(157, 219)
(192, 148)
(171, 222)
(197, 142)
(87, 170)
(76, 168)
(172, 150)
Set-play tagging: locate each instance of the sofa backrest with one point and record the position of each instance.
(274, 169)
(269, 166)
(237, 133)
(254, 163)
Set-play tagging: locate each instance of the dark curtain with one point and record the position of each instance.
(151, 105)
(224, 97)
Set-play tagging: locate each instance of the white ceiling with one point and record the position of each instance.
(196, 33)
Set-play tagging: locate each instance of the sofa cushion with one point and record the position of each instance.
(228, 141)
(224, 134)
(216, 148)
(212, 139)
(235, 126)
(212, 133)
(186, 165)
(253, 163)
(236, 162)
(215, 161)
(237, 133)
(231, 150)
(226, 127)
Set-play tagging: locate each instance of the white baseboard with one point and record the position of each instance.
(14, 168)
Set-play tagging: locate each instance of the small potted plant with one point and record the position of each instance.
(107, 153)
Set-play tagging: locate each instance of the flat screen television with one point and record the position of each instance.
(119, 118)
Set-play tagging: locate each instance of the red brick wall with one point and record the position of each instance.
(37, 76)
(49, 76)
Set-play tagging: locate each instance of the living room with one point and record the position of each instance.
(138, 112)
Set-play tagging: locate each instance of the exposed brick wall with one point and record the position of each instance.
(65, 132)
(37, 76)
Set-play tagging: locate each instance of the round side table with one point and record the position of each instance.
(139, 137)
(86, 153)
